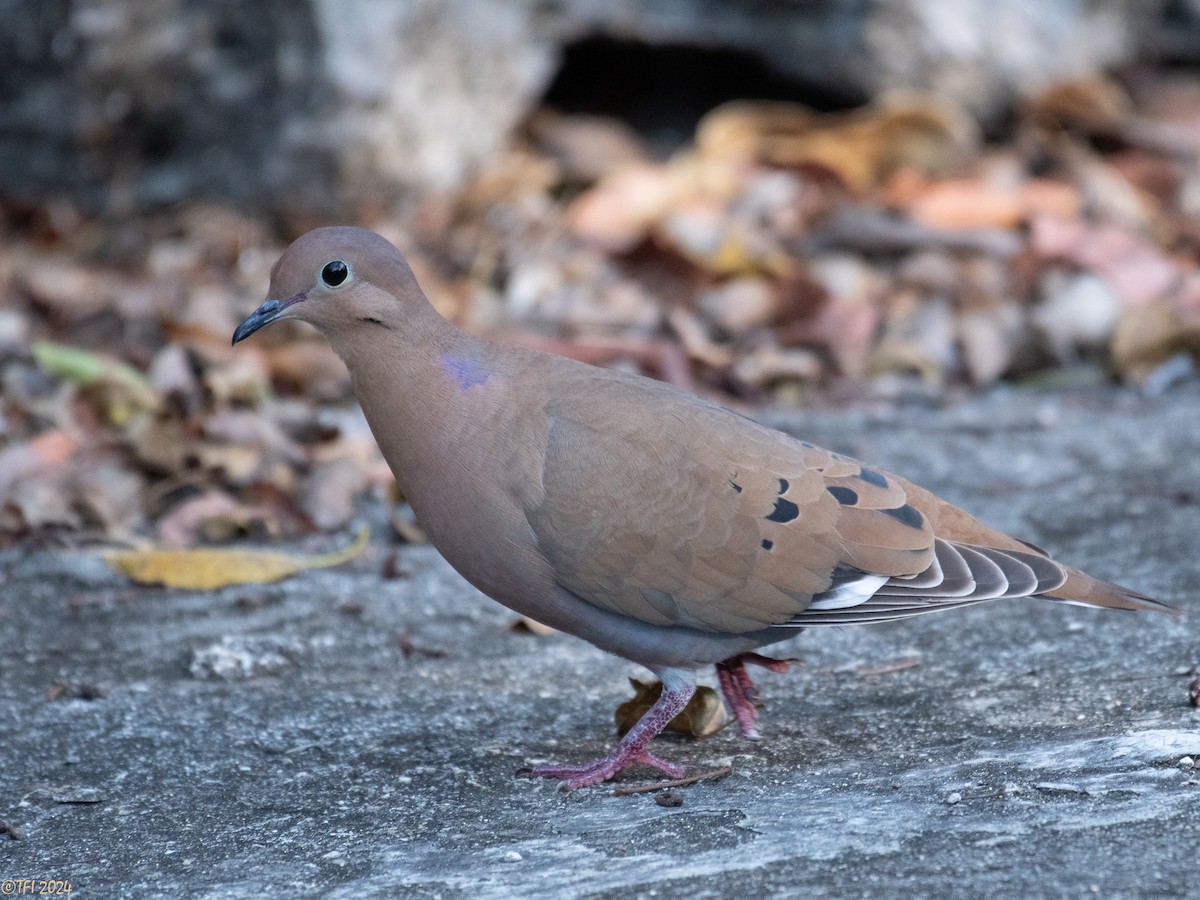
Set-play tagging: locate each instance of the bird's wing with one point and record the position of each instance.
(678, 512)
(675, 511)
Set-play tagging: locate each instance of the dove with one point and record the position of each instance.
(652, 523)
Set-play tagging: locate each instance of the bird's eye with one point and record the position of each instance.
(335, 273)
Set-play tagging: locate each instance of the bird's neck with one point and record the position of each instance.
(424, 389)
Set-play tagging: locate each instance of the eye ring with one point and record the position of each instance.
(335, 273)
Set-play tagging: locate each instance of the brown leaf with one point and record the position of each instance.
(585, 147)
(329, 494)
(252, 429)
(309, 366)
(1147, 336)
(158, 442)
(849, 318)
(703, 232)
(173, 378)
(72, 291)
(917, 337)
(40, 502)
(1094, 105)
(214, 517)
(988, 336)
(49, 450)
(406, 527)
(1135, 268)
(617, 213)
(901, 130)
(243, 379)
(110, 495)
(740, 304)
(768, 364)
(703, 716)
(697, 342)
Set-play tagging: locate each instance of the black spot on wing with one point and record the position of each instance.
(767, 545)
(906, 514)
(737, 487)
(843, 495)
(870, 476)
(785, 511)
(783, 486)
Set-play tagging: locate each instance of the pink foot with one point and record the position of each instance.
(678, 687)
(740, 691)
(574, 777)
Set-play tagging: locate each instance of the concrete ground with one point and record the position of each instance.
(344, 735)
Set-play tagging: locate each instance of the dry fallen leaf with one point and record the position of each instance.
(767, 364)
(863, 146)
(1078, 312)
(966, 203)
(988, 336)
(328, 494)
(697, 342)
(1137, 269)
(619, 210)
(703, 716)
(215, 517)
(1147, 336)
(585, 147)
(740, 304)
(1093, 104)
(49, 450)
(211, 568)
(126, 389)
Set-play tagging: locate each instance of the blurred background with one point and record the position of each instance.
(799, 202)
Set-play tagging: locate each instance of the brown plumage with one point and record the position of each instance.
(652, 523)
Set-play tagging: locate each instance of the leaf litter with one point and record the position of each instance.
(781, 256)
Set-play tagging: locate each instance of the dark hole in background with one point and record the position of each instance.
(662, 90)
(1177, 43)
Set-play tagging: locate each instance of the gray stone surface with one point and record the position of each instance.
(272, 741)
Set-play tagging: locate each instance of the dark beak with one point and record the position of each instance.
(264, 315)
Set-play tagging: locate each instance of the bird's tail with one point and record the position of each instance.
(1082, 588)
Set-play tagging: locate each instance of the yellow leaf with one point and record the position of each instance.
(211, 568)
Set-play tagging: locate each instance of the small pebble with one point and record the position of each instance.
(513, 856)
(953, 798)
(1187, 763)
(73, 794)
(669, 798)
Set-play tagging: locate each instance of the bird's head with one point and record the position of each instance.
(340, 280)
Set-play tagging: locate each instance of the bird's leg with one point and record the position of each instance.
(740, 692)
(678, 687)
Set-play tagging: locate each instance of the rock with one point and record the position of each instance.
(306, 108)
